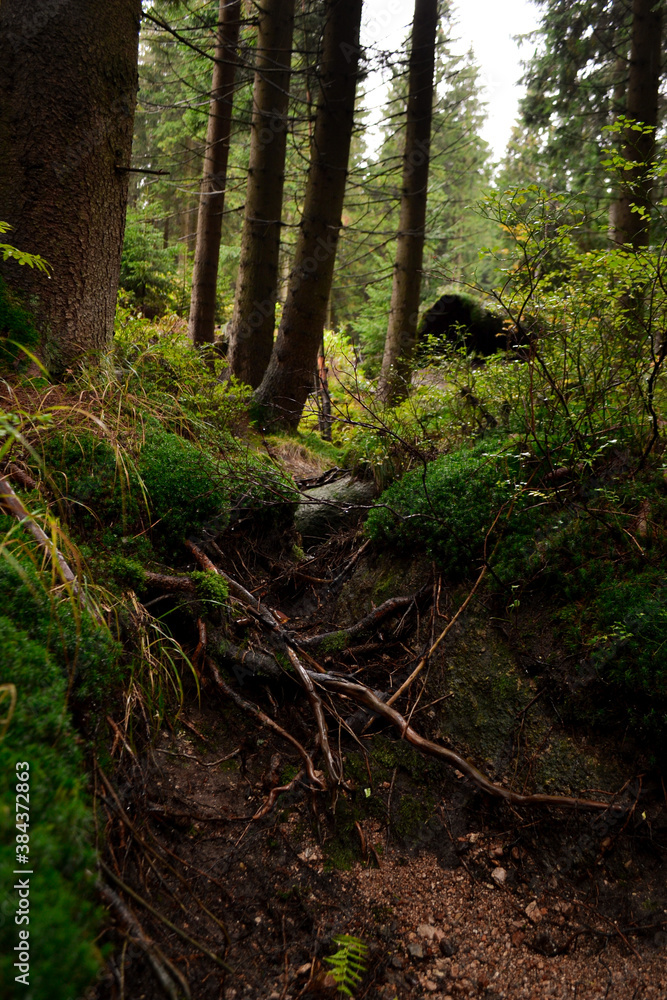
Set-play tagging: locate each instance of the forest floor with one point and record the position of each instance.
(453, 893)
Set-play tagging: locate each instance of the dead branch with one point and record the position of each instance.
(390, 607)
(266, 720)
(364, 696)
(248, 659)
(170, 583)
(166, 973)
(333, 766)
(13, 505)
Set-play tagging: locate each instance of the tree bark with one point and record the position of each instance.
(68, 83)
(626, 225)
(251, 328)
(201, 323)
(404, 310)
(289, 377)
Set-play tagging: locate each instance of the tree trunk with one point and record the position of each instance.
(68, 83)
(289, 377)
(626, 225)
(251, 328)
(404, 310)
(201, 323)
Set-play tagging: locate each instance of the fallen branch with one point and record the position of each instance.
(364, 696)
(13, 505)
(390, 607)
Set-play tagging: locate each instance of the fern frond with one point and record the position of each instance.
(348, 964)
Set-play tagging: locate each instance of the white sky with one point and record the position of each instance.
(488, 26)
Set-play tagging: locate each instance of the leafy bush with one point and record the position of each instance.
(448, 507)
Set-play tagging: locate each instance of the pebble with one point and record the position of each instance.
(499, 875)
(426, 931)
(416, 950)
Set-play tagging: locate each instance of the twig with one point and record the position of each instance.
(450, 624)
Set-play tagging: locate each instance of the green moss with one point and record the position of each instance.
(211, 588)
(17, 327)
(63, 915)
(183, 484)
(448, 508)
(334, 643)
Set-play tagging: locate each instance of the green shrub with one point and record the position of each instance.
(447, 508)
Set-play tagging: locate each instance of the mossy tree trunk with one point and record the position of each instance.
(289, 376)
(68, 83)
(404, 309)
(253, 320)
(201, 323)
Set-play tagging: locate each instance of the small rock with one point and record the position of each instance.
(447, 947)
(426, 931)
(430, 985)
(397, 961)
(416, 950)
(533, 912)
(499, 875)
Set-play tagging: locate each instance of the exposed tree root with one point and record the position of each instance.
(267, 721)
(364, 696)
(390, 607)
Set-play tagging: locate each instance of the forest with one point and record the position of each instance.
(333, 505)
